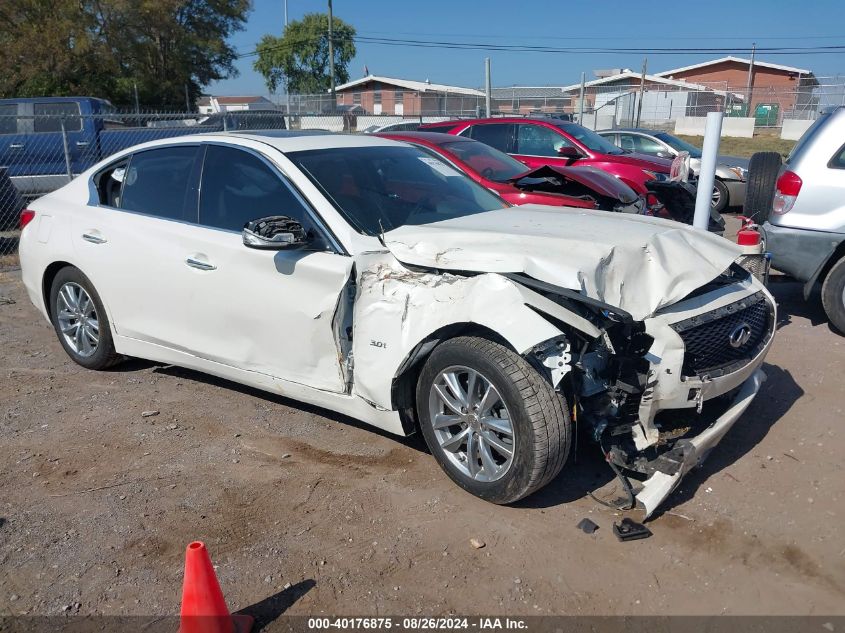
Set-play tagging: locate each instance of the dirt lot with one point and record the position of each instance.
(319, 514)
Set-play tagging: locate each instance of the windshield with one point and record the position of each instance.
(487, 161)
(381, 188)
(590, 139)
(676, 143)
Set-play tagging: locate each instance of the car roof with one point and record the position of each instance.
(435, 138)
(282, 140)
(638, 130)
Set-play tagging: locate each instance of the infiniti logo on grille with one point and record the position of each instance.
(739, 335)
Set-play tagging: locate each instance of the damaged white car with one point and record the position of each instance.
(368, 277)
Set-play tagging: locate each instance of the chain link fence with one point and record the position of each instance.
(658, 105)
(40, 153)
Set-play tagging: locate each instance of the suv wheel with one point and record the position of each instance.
(493, 423)
(719, 199)
(763, 170)
(80, 320)
(833, 295)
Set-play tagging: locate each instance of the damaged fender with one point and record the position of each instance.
(397, 308)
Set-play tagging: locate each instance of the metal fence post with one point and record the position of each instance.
(68, 167)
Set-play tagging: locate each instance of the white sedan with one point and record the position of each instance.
(371, 278)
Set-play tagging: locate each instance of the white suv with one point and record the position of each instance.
(805, 231)
(368, 277)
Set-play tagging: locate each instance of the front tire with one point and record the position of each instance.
(720, 199)
(80, 320)
(833, 295)
(492, 422)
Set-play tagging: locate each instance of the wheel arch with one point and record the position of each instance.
(47, 282)
(821, 273)
(403, 385)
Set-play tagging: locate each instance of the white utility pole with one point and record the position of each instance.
(581, 100)
(707, 175)
(749, 84)
(642, 91)
(488, 90)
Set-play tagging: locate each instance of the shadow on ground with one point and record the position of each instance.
(272, 607)
(776, 397)
(789, 295)
(414, 441)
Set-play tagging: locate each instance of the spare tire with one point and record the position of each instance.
(763, 170)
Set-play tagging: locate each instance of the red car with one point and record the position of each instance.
(541, 141)
(580, 187)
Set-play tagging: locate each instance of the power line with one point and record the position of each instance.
(525, 48)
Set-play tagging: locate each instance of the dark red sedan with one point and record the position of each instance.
(580, 187)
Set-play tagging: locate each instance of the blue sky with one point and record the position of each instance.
(589, 23)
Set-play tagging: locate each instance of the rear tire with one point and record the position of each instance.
(763, 170)
(534, 419)
(80, 320)
(833, 295)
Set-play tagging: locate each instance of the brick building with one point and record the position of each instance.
(386, 95)
(789, 87)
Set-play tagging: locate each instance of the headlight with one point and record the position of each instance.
(739, 172)
(655, 176)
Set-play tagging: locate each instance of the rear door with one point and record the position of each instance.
(498, 135)
(131, 244)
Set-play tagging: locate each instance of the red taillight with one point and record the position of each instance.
(789, 183)
(788, 186)
(27, 216)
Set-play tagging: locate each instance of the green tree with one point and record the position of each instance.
(300, 58)
(103, 48)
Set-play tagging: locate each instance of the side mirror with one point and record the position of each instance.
(567, 151)
(663, 154)
(275, 233)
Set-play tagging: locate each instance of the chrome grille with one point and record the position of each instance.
(709, 348)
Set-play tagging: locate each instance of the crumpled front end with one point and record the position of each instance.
(657, 416)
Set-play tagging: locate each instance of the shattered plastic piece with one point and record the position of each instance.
(587, 526)
(628, 530)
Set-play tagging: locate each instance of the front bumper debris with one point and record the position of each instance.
(694, 450)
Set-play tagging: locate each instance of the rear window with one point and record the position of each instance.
(49, 116)
(157, 181)
(805, 138)
(838, 161)
(8, 118)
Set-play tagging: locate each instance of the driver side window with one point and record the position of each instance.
(537, 140)
(238, 187)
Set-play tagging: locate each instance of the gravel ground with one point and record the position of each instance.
(311, 512)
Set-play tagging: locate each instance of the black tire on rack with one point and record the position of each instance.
(763, 170)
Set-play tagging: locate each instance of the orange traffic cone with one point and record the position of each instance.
(203, 607)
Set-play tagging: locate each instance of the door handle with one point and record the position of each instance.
(16, 146)
(94, 239)
(82, 143)
(195, 263)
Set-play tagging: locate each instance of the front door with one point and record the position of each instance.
(266, 311)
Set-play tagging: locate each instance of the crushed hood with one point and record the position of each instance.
(599, 181)
(636, 263)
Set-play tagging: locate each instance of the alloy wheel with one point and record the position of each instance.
(77, 318)
(471, 423)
